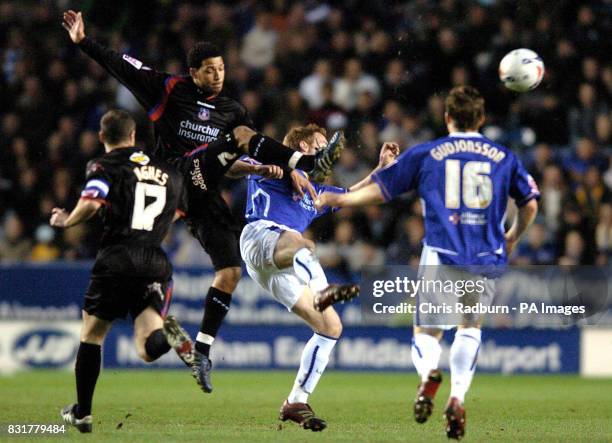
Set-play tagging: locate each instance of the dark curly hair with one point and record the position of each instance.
(201, 51)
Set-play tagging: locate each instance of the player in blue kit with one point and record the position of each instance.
(464, 181)
(282, 261)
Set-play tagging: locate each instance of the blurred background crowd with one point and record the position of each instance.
(377, 69)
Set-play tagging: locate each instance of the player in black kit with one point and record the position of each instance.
(138, 197)
(204, 133)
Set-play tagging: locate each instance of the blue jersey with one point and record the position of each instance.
(464, 181)
(274, 200)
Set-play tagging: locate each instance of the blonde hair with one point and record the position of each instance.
(303, 133)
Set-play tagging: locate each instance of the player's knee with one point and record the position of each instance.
(92, 338)
(298, 242)
(309, 244)
(144, 356)
(142, 351)
(332, 328)
(227, 279)
(243, 135)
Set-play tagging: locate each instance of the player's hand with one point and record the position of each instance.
(73, 23)
(301, 185)
(388, 153)
(511, 242)
(269, 171)
(58, 217)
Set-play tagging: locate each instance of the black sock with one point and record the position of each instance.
(270, 152)
(87, 369)
(215, 309)
(156, 344)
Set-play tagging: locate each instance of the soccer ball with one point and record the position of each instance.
(521, 70)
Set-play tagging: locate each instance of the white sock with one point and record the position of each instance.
(309, 270)
(426, 352)
(293, 160)
(463, 354)
(314, 360)
(205, 338)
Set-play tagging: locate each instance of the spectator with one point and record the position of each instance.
(574, 223)
(554, 194)
(45, 249)
(350, 169)
(582, 118)
(260, 42)
(583, 158)
(573, 253)
(353, 82)
(311, 87)
(14, 245)
(591, 194)
(536, 250)
(603, 231)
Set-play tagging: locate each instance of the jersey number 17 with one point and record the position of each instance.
(143, 216)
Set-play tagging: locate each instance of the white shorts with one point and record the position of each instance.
(432, 300)
(257, 243)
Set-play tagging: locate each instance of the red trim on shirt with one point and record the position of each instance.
(156, 113)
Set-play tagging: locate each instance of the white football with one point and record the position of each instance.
(521, 70)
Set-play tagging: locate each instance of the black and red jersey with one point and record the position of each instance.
(185, 117)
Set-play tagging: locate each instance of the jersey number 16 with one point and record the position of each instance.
(475, 184)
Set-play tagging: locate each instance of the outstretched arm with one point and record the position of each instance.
(84, 210)
(388, 153)
(241, 169)
(147, 85)
(367, 195)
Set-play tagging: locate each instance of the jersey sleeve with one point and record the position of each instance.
(522, 185)
(146, 84)
(327, 188)
(97, 182)
(400, 176)
(243, 118)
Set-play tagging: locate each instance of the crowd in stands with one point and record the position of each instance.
(377, 70)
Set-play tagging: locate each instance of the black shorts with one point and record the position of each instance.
(209, 218)
(126, 280)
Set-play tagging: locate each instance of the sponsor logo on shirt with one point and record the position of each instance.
(533, 185)
(197, 178)
(204, 114)
(132, 61)
(140, 157)
(468, 218)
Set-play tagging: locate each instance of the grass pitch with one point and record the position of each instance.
(168, 406)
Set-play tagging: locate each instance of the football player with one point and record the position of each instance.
(138, 197)
(203, 133)
(282, 261)
(464, 181)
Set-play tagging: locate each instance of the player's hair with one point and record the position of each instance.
(465, 106)
(302, 133)
(201, 51)
(116, 125)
